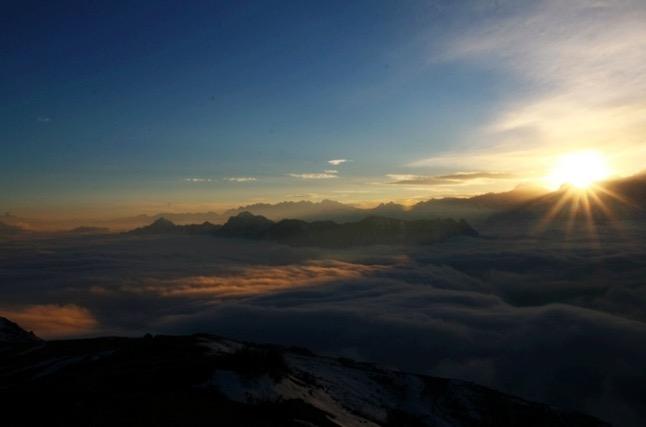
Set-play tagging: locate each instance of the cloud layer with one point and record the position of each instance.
(244, 281)
(550, 319)
(51, 320)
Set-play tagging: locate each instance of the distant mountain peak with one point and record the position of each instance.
(163, 222)
(245, 224)
(331, 202)
(247, 215)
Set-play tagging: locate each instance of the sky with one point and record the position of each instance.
(115, 107)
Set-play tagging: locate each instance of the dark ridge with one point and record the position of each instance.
(202, 380)
(11, 333)
(164, 226)
(89, 230)
(617, 199)
(9, 230)
(369, 231)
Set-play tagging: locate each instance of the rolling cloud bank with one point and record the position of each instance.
(552, 319)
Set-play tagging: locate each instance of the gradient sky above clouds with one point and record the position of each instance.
(181, 106)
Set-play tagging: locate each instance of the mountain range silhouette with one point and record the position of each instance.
(368, 231)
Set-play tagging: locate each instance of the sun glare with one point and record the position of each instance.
(580, 169)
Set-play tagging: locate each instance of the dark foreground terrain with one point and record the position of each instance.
(209, 380)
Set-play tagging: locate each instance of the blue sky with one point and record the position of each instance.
(169, 104)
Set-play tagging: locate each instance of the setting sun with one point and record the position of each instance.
(580, 169)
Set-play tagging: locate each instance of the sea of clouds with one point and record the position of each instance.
(550, 318)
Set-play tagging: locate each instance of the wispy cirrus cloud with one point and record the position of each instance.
(337, 162)
(228, 179)
(455, 178)
(241, 179)
(198, 180)
(322, 175)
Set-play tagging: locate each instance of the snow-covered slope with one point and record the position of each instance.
(361, 394)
